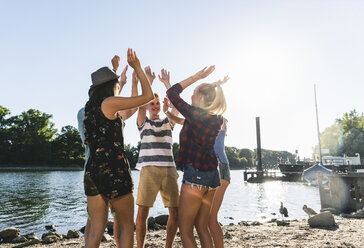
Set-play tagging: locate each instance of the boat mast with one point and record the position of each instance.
(318, 128)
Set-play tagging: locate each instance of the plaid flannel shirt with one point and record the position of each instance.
(198, 134)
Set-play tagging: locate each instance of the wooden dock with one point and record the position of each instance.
(260, 176)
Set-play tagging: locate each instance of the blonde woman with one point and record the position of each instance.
(224, 170)
(202, 124)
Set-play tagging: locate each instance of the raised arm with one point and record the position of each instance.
(165, 79)
(142, 113)
(113, 104)
(115, 63)
(126, 114)
(171, 116)
(197, 76)
(174, 92)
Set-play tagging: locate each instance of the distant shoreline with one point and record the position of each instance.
(25, 168)
(39, 168)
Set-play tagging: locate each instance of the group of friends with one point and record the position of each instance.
(108, 182)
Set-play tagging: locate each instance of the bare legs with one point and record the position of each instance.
(116, 230)
(194, 209)
(124, 208)
(98, 211)
(123, 221)
(214, 226)
(141, 225)
(172, 225)
(87, 229)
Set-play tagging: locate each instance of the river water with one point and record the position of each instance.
(31, 200)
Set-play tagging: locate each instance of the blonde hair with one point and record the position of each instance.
(213, 100)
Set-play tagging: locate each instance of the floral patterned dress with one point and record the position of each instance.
(107, 171)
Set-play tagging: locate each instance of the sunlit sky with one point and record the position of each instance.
(273, 51)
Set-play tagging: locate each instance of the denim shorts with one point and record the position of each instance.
(224, 171)
(207, 179)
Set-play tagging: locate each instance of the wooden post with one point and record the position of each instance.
(259, 149)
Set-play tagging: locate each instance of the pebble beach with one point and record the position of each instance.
(347, 232)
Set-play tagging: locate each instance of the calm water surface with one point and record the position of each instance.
(31, 200)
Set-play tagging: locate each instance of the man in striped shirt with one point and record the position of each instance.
(158, 170)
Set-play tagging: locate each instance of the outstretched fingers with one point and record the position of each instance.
(115, 62)
(205, 72)
(164, 76)
(209, 70)
(149, 72)
(125, 69)
(132, 58)
(123, 75)
(165, 104)
(226, 78)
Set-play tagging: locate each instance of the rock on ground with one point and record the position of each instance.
(348, 233)
(9, 233)
(324, 219)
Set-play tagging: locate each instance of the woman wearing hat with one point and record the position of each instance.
(107, 177)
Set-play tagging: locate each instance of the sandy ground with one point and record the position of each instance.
(347, 233)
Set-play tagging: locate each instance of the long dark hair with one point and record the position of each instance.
(96, 94)
(101, 91)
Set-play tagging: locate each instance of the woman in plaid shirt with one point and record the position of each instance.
(202, 124)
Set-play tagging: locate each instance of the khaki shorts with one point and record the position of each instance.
(154, 179)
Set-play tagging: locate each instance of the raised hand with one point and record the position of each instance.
(115, 63)
(204, 72)
(165, 104)
(165, 78)
(135, 79)
(197, 76)
(150, 75)
(123, 76)
(133, 60)
(220, 82)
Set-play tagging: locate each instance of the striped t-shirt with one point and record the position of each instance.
(156, 143)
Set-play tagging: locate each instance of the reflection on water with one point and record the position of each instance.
(31, 200)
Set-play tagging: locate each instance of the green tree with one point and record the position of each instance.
(353, 142)
(243, 162)
(30, 136)
(175, 151)
(351, 120)
(346, 136)
(132, 153)
(67, 147)
(353, 127)
(232, 154)
(248, 155)
(331, 138)
(270, 157)
(4, 135)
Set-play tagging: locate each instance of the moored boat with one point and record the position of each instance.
(310, 175)
(340, 164)
(293, 170)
